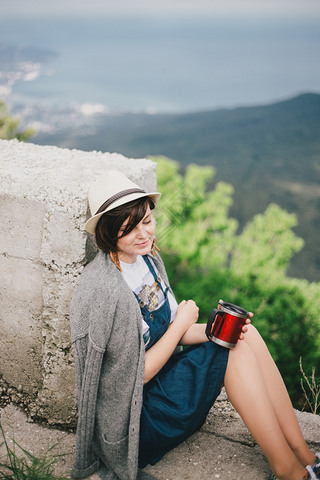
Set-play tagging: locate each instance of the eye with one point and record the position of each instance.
(147, 220)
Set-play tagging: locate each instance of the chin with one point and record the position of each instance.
(145, 250)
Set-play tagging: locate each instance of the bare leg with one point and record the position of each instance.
(279, 397)
(247, 391)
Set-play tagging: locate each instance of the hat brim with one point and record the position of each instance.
(91, 223)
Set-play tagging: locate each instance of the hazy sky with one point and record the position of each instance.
(246, 7)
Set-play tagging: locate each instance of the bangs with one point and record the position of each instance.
(134, 213)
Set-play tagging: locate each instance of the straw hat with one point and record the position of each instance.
(110, 191)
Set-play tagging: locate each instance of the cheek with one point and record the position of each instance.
(152, 226)
(124, 242)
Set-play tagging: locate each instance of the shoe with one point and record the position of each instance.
(316, 464)
(311, 474)
(314, 470)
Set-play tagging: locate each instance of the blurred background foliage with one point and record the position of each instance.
(208, 259)
(9, 126)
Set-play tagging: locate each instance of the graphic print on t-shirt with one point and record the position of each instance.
(149, 296)
(141, 281)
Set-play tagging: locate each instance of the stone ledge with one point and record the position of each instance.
(222, 449)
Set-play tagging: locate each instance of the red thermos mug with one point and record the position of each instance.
(225, 324)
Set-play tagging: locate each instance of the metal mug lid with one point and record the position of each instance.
(234, 310)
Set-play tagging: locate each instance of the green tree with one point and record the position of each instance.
(194, 223)
(267, 244)
(9, 126)
(207, 260)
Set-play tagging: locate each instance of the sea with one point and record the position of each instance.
(155, 63)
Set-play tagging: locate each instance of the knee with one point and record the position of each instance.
(252, 332)
(253, 337)
(242, 351)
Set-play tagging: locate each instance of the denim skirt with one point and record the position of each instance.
(177, 400)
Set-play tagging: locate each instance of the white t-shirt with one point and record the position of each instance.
(141, 281)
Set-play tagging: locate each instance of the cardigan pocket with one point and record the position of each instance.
(116, 454)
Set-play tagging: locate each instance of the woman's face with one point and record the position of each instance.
(138, 241)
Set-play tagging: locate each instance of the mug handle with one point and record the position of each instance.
(212, 317)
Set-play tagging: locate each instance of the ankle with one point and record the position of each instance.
(312, 472)
(304, 455)
(314, 469)
(313, 459)
(290, 473)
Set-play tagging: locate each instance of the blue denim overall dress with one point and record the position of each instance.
(177, 400)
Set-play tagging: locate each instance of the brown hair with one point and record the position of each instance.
(108, 226)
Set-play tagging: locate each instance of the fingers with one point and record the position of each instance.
(244, 329)
(248, 320)
(183, 302)
(242, 334)
(188, 303)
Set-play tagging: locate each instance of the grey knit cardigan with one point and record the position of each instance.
(106, 333)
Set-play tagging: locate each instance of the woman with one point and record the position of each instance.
(138, 395)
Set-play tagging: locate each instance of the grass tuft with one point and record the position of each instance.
(27, 466)
(311, 389)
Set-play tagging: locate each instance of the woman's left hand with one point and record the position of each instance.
(245, 328)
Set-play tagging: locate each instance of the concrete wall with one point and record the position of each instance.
(43, 248)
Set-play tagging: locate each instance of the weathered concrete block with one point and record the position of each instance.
(43, 248)
(20, 319)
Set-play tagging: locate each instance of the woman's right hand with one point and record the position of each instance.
(187, 313)
(161, 351)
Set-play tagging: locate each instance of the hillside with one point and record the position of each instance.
(269, 153)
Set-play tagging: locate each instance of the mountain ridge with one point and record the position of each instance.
(270, 152)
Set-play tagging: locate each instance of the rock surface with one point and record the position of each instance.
(223, 449)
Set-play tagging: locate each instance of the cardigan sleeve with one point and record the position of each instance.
(87, 374)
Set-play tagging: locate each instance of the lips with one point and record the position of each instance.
(143, 244)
